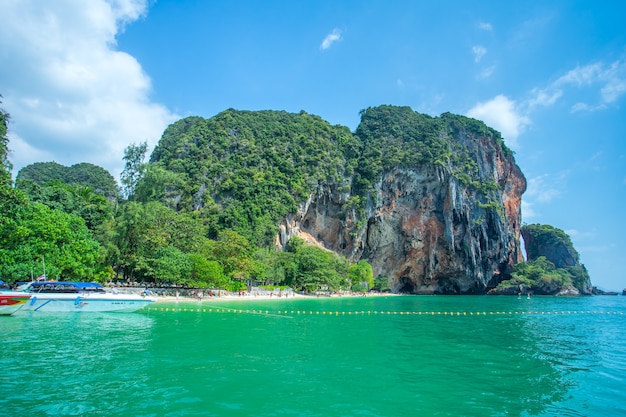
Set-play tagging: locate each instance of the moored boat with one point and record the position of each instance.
(11, 301)
(68, 296)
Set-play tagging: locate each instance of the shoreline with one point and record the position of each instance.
(249, 298)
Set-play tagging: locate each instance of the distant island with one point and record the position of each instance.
(406, 203)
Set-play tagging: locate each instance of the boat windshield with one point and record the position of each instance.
(65, 287)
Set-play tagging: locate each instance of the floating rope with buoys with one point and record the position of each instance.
(292, 313)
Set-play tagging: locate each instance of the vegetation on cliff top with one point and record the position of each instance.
(551, 242)
(244, 170)
(552, 264)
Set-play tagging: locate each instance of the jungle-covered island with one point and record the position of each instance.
(407, 203)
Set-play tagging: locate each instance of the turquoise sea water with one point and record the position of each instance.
(436, 356)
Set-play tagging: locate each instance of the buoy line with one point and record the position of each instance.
(292, 313)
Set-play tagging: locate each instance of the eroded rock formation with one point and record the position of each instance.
(424, 229)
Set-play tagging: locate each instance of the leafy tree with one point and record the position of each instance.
(311, 268)
(207, 273)
(236, 255)
(62, 239)
(5, 164)
(159, 185)
(382, 284)
(134, 156)
(29, 232)
(129, 236)
(361, 273)
(171, 265)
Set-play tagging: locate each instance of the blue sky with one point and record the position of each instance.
(84, 79)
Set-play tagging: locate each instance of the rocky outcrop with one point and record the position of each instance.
(425, 229)
(550, 242)
(552, 266)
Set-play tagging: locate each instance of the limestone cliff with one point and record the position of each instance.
(447, 226)
(433, 203)
(552, 243)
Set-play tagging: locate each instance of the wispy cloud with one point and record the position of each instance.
(487, 72)
(502, 114)
(331, 38)
(607, 83)
(528, 212)
(542, 188)
(485, 26)
(72, 95)
(479, 52)
(545, 97)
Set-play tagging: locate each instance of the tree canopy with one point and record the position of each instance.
(83, 175)
(244, 170)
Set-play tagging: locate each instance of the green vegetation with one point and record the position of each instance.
(204, 211)
(552, 263)
(400, 137)
(81, 175)
(244, 171)
(134, 156)
(540, 276)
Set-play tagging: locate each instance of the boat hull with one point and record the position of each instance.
(86, 302)
(10, 302)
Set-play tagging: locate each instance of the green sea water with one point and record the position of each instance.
(374, 356)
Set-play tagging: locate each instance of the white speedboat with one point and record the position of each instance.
(11, 301)
(66, 296)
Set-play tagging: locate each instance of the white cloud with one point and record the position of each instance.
(546, 97)
(479, 52)
(331, 38)
(580, 76)
(73, 97)
(502, 114)
(572, 232)
(487, 72)
(604, 84)
(609, 79)
(485, 26)
(541, 189)
(615, 85)
(528, 212)
(512, 118)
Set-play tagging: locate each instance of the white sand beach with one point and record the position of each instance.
(255, 297)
